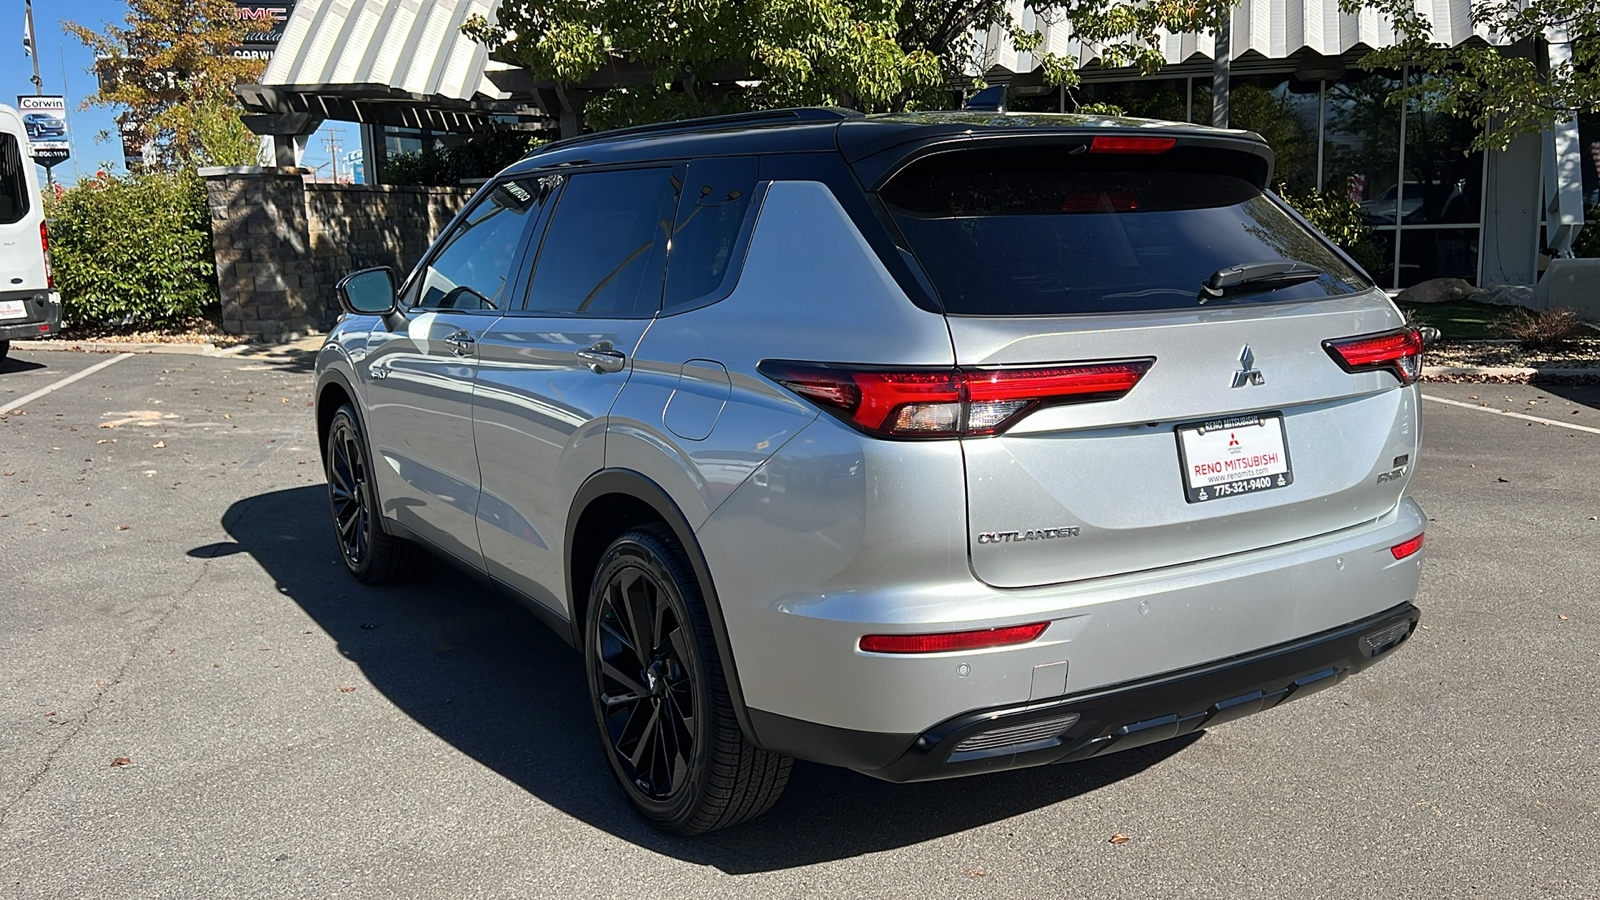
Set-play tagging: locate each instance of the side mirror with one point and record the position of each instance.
(369, 292)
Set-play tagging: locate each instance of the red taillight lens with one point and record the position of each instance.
(1399, 352)
(1403, 550)
(946, 403)
(952, 640)
(1117, 143)
(44, 244)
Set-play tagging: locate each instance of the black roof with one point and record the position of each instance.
(855, 135)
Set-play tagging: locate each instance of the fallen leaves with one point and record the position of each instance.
(976, 873)
(1563, 616)
(121, 762)
(346, 690)
(1119, 838)
(159, 445)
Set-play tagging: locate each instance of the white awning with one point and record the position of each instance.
(413, 46)
(1274, 29)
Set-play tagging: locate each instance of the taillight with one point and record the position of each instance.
(1119, 143)
(44, 244)
(1406, 548)
(1399, 352)
(947, 403)
(952, 640)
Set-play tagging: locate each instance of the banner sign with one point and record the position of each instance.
(265, 21)
(45, 119)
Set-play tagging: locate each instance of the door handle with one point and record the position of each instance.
(601, 358)
(461, 343)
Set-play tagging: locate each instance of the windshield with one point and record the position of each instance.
(1019, 233)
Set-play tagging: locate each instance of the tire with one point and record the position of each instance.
(5, 348)
(372, 555)
(667, 722)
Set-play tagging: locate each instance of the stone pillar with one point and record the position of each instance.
(264, 272)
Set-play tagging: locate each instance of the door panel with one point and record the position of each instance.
(539, 421)
(419, 411)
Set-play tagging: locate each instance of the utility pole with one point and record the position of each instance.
(332, 140)
(31, 47)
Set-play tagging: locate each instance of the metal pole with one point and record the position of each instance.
(1400, 186)
(1221, 72)
(1322, 121)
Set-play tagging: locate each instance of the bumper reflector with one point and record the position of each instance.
(1387, 639)
(1012, 735)
(952, 640)
(1403, 550)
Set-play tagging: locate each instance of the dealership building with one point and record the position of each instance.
(1289, 69)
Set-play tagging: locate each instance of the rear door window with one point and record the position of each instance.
(1032, 233)
(702, 265)
(14, 202)
(605, 249)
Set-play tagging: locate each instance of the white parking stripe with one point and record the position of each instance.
(1502, 412)
(49, 388)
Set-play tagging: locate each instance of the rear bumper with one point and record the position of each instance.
(43, 318)
(1105, 720)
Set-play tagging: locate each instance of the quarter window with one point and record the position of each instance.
(605, 250)
(701, 265)
(473, 266)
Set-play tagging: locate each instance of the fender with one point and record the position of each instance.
(639, 487)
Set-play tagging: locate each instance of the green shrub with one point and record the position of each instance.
(133, 251)
(1334, 214)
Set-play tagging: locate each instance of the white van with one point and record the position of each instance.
(29, 304)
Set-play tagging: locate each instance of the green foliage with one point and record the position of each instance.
(1503, 92)
(479, 157)
(650, 60)
(133, 250)
(1339, 218)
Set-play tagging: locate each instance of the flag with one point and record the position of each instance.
(27, 30)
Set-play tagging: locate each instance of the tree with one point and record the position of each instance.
(1503, 93)
(171, 70)
(661, 59)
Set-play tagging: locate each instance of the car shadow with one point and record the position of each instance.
(483, 674)
(1583, 394)
(12, 364)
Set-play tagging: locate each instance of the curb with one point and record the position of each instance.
(1505, 373)
(306, 345)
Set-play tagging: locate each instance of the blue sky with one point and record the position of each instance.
(60, 51)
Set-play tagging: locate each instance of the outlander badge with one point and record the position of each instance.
(1248, 373)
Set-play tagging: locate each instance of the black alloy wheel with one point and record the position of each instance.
(660, 697)
(370, 553)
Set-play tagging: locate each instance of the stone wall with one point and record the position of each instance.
(282, 244)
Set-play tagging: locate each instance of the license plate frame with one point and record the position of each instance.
(1211, 468)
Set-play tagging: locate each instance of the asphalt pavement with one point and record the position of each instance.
(196, 701)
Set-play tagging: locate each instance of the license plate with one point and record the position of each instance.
(1227, 457)
(13, 309)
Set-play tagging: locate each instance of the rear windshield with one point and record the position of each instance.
(13, 186)
(1033, 233)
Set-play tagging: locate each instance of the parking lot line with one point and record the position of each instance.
(1502, 412)
(49, 388)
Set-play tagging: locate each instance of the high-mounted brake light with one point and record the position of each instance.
(1119, 143)
(948, 403)
(1399, 352)
(1406, 548)
(952, 640)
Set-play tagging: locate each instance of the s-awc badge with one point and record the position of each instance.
(1241, 455)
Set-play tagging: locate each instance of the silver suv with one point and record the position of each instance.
(924, 445)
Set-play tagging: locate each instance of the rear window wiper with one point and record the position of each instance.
(1247, 278)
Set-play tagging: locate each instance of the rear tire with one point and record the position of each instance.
(371, 554)
(5, 347)
(660, 696)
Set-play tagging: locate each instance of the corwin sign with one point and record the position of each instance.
(45, 119)
(265, 21)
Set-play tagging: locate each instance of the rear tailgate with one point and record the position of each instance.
(1095, 489)
(1159, 249)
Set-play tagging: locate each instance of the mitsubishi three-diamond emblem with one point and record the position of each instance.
(1248, 373)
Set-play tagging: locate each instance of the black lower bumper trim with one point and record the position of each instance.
(1106, 720)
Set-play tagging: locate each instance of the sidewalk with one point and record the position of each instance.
(303, 350)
